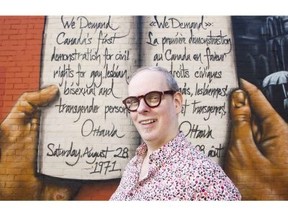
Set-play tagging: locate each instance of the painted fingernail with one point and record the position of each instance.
(239, 98)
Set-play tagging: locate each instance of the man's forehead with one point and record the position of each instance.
(147, 74)
(146, 81)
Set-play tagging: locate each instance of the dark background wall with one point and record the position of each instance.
(261, 47)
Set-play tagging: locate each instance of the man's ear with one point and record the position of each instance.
(178, 101)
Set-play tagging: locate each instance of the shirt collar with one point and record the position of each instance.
(159, 156)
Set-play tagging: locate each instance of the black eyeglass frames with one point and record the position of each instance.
(152, 99)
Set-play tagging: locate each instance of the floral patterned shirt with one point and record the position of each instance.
(177, 171)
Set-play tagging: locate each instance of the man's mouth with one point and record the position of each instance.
(148, 121)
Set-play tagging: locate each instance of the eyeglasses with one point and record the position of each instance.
(152, 99)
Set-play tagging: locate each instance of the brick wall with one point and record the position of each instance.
(20, 57)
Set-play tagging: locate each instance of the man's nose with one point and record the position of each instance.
(143, 107)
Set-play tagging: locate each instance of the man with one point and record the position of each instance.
(166, 166)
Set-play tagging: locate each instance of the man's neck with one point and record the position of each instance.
(157, 144)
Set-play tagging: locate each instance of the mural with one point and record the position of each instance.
(251, 145)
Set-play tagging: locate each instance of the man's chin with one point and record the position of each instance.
(147, 137)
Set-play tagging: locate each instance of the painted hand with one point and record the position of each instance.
(257, 156)
(18, 144)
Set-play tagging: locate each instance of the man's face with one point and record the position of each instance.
(160, 124)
